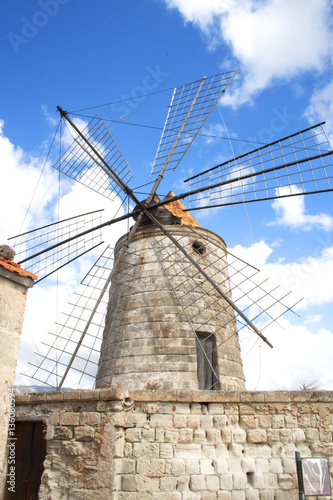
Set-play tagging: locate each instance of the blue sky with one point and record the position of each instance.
(83, 54)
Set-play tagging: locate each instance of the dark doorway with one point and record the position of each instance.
(30, 451)
(206, 360)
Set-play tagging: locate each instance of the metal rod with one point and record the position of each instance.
(254, 150)
(69, 261)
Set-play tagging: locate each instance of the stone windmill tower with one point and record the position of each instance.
(149, 342)
(175, 307)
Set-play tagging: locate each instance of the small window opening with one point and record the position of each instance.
(206, 361)
(199, 247)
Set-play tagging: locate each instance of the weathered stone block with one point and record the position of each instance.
(286, 435)
(215, 408)
(256, 436)
(69, 418)
(239, 481)
(248, 421)
(90, 418)
(149, 484)
(265, 421)
(129, 482)
(197, 483)
(175, 467)
(226, 436)
(133, 435)
(257, 480)
(146, 450)
(285, 481)
(251, 495)
(192, 466)
(186, 436)
(298, 436)
(179, 421)
(174, 495)
(226, 482)
(239, 435)
(135, 419)
(220, 421)
(193, 421)
(206, 422)
(264, 451)
(289, 465)
(234, 465)
(267, 495)
(212, 483)
(248, 465)
(166, 450)
(159, 435)
(220, 466)
(275, 465)
(171, 436)
(125, 466)
(207, 467)
(262, 465)
(168, 483)
(63, 433)
(278, 421)
(238, 495)
(84, 433)
(188, 451)
(270, 480)
(183, 408)
(151, 468)
(224, 495)
(199, 436)
(148, 434)
(183, 483)
(72, 448)
(312, 435)
(163, 421)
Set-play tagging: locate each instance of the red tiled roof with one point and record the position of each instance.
(16, 268)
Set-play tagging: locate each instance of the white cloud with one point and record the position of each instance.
(306, 278)
(20, 174)
(275, 39)
(321, 108)
(297, 355)
(291, 212)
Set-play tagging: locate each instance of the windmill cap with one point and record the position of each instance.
(177, 208)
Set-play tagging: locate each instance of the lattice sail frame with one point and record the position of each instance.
(87, 159)
(190, 107)
(299, 164)
(45, 250)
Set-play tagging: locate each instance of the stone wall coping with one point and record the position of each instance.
(176, 396)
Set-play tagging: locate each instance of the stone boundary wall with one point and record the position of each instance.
(109, 444)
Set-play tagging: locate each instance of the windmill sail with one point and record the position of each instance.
(45, 250)
(299, 164)
(87, 159)
(190, 107)
(51, 367)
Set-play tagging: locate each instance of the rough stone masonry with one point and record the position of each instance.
(210, 445)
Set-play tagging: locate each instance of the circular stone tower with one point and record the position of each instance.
(166, 327)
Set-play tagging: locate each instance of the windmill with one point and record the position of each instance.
(213, 295)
